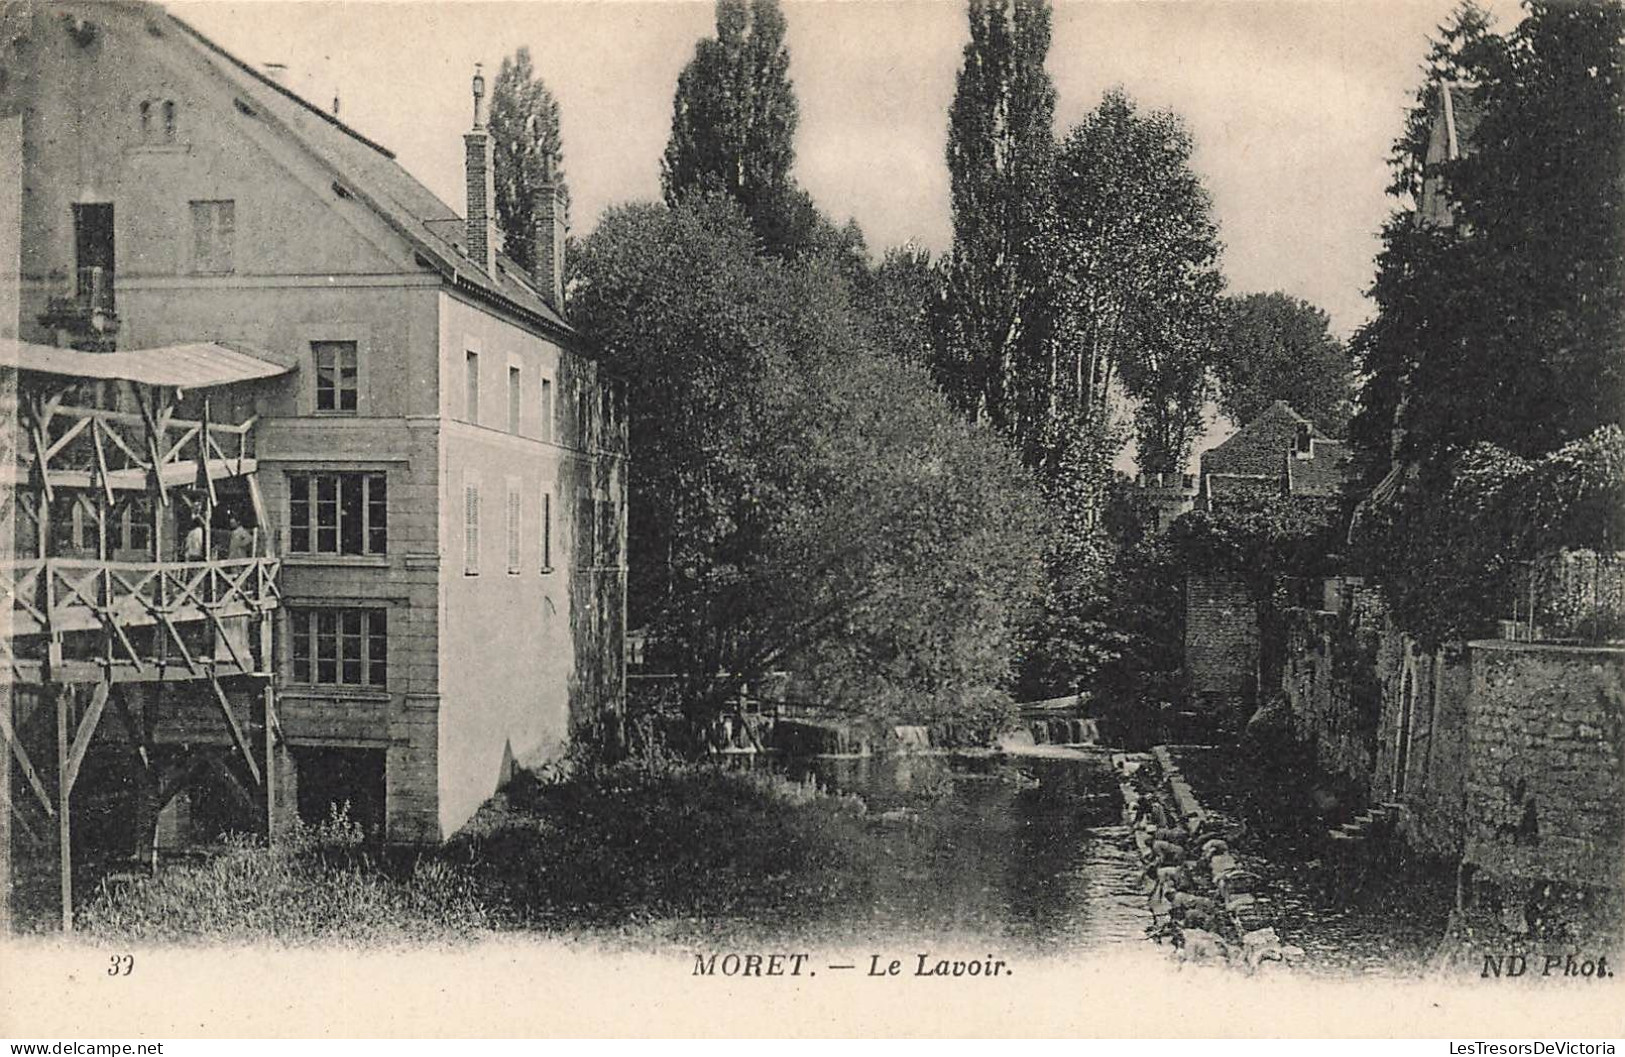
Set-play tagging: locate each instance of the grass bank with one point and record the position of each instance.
(660, 850)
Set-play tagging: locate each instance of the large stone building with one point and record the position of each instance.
(438, 470)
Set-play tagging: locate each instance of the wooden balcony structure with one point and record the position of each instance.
(81, 621)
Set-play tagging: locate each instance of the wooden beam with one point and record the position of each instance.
(68, 436)
(174, 633)
(27, 765)
(64, 793)
(101, 463)
(237, 735)
(87, 730)
(234, 785)
(42, 458)
(15, 813)
(203, 463)
(139, 737)
(154, 452)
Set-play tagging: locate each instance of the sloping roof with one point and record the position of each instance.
(369, 172)
(198, 365)
(1323, 473)
(1256, 448)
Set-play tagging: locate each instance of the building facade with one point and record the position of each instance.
(1278, 453)
(440, 470)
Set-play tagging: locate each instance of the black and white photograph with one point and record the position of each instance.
(812, 518)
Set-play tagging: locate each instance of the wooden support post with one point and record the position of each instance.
(269, 695)
(64, 791)
(155, 445)
(267, 661)
(206, 482)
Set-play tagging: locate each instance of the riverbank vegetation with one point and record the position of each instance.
(634, 845)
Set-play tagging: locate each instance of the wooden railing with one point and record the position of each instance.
(101, 448)
(58, 595)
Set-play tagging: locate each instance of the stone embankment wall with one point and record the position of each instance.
(1203, 898)
(1503, 754)
(1546, 731)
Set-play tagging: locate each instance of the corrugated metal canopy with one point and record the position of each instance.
(197, 365)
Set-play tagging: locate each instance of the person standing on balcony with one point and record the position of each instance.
(240, 544)
(196, 546)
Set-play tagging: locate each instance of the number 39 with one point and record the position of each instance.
(121, 965)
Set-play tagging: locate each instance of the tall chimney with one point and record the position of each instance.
(547, 241)
(481, 178)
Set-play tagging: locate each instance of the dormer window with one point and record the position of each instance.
(1304, 443)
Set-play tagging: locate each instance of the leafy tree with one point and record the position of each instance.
(1137, 267)
(527, 150)
(734, 121)
(1278, 347)
(799, 500)
(992, 326)
(896, 297)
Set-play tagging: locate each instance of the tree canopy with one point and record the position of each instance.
(1278, 347)
(799, 498)
(527, 150)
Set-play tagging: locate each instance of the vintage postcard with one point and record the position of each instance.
(810, 518)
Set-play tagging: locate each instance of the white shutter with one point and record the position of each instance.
(514, 511)
(471, 528)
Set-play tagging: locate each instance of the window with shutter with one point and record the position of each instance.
(547, 532)
(515, 511)
(514, 390)
(471, 528)
(214, 230)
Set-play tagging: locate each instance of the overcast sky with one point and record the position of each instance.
(1292, 104)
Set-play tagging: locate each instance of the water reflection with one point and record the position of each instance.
(1026, 850)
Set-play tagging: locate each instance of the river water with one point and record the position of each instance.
(1014, 851)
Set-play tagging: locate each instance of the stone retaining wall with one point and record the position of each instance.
(1202, 896)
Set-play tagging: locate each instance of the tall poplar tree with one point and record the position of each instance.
(1137, 279)
(734, 120)
(992, 323)
(527, 150)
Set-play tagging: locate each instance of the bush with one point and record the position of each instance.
(315, 887)
(629, 843)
